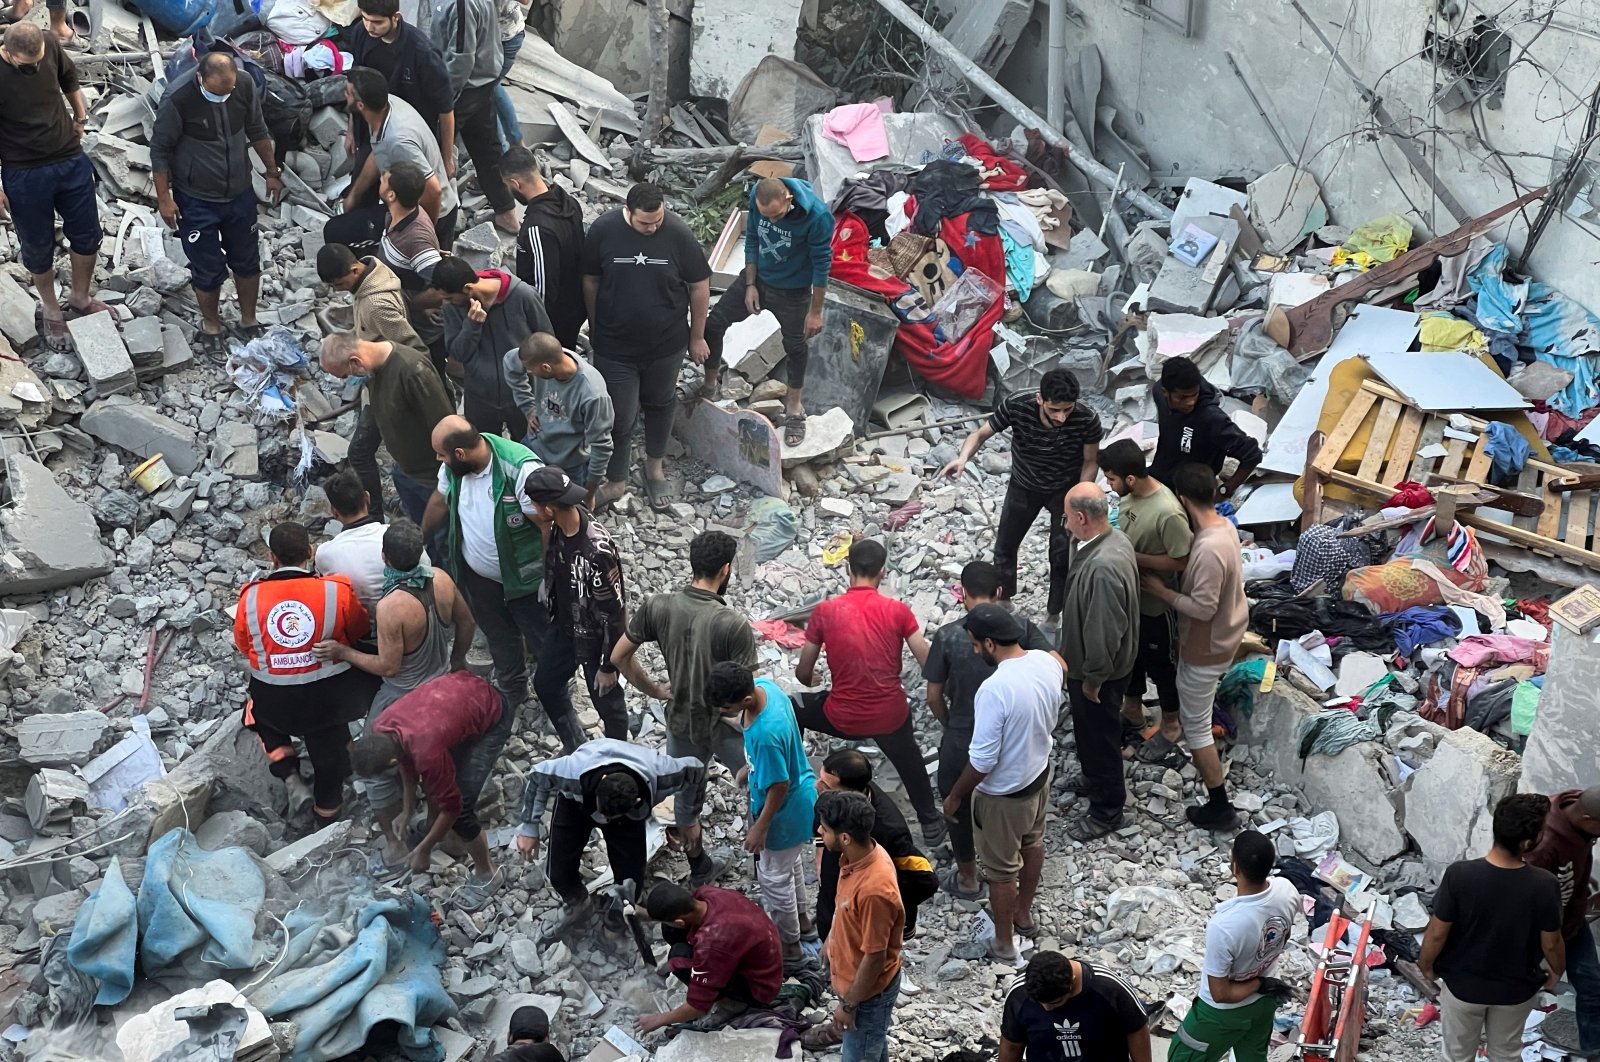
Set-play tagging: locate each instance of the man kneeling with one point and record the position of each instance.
(723, 947)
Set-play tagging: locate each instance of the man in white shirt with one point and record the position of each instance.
(1244, 938)
(357, 550)
(1008, 773)
(495, 550)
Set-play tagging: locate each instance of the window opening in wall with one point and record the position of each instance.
(1174, 14)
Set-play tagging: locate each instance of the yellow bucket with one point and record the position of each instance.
(152, 475)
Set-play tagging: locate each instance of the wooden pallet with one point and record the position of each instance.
(1566, 528)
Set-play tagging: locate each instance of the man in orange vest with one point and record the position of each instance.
(292, 693)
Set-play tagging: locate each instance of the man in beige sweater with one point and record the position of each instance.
(1212, 615)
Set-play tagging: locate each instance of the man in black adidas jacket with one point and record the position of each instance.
(550, 244)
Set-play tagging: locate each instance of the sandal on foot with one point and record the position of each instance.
(95, 306)
(1026, 932)
(658, 494)
(1157, 748)
(213, 344)
(794, 429)
(950, 881)
(1088, 828)
(246, 333)
(56, 336)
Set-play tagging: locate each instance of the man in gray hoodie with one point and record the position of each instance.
(568, 409)
(606, 783)
(485, 315)
(1100, 641)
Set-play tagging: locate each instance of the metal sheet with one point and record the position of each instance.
(1270, 503)
(1445, 381)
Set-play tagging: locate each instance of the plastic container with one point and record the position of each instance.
(178, 17)
(152, 475)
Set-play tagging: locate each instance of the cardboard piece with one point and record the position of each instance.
(771, 134)
(740, 444)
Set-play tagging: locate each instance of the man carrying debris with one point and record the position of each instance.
(404, 396)
(549, 244)
(1193, 427)
(1494, 920)
(783, 794)
(494, 549)
(603, 783)
(569, 412)
(722, 946)
(588, 604)
(788, 251)
(487, 314)
(399, 134)
(954, 672)
(1054, 440)
(1567, 851)
(1158, 529)
(293, 693)
(1008, 769)
(863, 632)
(695, 628)
(382, 40)
(1060, 1009)
(1100, 642)
(203, 189)
(868, 931)
(1212, 617)
(356, 552)
(379, 304)
(467, 34)
(446, 735)
(643, 273)
(44, 172)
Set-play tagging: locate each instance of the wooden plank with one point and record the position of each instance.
(1455, 452)
(1404, 450)
(1528, 483)
(1517, 535)
(1478, 468)
(1378, 441)
(1344, 431)
(1311, 496)
(1550, 520)
(1366, 486)
(1577, 533)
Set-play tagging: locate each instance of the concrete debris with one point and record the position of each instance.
(50, 539)
(144, 431)
(1285, 207)
(827, 436)
(60, 740)
(104, 355)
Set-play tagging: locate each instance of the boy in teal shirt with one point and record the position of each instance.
(782, 793)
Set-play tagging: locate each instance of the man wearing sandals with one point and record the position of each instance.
(45, 172)
(788, 250)
(203, 187)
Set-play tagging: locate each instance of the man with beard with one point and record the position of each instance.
(1008, 769)
(695, 629)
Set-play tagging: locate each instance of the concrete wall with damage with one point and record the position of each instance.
(1187, 106)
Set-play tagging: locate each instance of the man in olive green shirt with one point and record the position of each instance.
(1155, 522)
(695, 629)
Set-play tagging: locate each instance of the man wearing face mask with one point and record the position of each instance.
(203, 189)
(550, 243)
(45, 173)
(695, 629)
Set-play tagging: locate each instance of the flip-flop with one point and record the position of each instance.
(950, 882)
(95, 306)
(246, 333)
(213, 344)
(1157, 748)
(794, 429)
(56, 336)
(658, 493)
(1026, 932)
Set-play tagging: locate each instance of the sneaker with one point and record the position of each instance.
(935, 832)
(707, 870)
(475, 894)
(821, 1037)
(1212, 816)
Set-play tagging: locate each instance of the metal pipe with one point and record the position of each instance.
(1092, 168)
(1056, 73)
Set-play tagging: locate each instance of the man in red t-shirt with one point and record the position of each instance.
(863, 632)
(723, 947)
(446, 734)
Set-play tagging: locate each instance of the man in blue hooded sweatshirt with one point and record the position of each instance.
(788, 249)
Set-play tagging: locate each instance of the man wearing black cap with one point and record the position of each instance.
(528, 1039)
(1008, 771)
(583, 588)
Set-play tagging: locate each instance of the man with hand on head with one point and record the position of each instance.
(486, 314)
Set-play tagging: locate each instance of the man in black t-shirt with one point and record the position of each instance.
(647, 288)
(1063, 1008)
(1493, 920)
(1054, 441)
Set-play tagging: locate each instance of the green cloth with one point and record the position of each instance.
(695, 629)
(1156, 525)
(1524, 707)
(518, 541)
(415, 578)
(407, 399)
(1208, 1033)
(1237, 690)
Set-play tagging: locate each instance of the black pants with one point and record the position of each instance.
(570, 830)
(1017, 514)
(327, 749)
(1098, 729)
(788, 305)
(477, 128)
(737, 990)
(650, 387)
(363, 457)
(953, 758)
(475, 761)
(900, 747)
(552, 684)
(1156, 661)
(514, 629)
(495, 418)
(916, 887)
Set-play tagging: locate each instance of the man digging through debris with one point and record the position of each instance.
(722, 946)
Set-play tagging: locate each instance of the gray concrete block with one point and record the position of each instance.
(16, 313)
(479, 246)
(143, 339)
(65, 740)
(1561, 752)
(50, 539)
(1450, 799)
(141, 430)
(104, 355)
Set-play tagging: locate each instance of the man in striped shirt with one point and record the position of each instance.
(1054, 442)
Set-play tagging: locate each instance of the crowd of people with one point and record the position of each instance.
(507, 400)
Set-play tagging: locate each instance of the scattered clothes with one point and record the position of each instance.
(1542, 324)
(105, 937)
(198, 908)
(859, 127)
(775, 526)
(779, 632)
(1409, 495)
(1420, 625)
(1237, 690)
(1276, 613)
(1442, 331)
(1525, 705)
(945, 190)
(996, 172)
(1322, 554)
(1333, 730)
(1479, 649)
(1507, 449)
(1379, 240)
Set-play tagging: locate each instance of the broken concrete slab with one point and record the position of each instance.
(1561, 752)
(540, 66)
(236, 450)
(54, 796)
(1285, 207)
(729, 37)
(1357, 671)
(754, 346)
(725, 1045)
(65, 740)
(479, 246)
(1450, 799)
(141, 430)
(104, 355)
(575, 135)
(233, 829)
(50, 539)
(311, 848)
(740, 444)
(17, 317)
(828, 435)
(143, 339)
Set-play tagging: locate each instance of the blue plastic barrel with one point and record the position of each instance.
(180, 17)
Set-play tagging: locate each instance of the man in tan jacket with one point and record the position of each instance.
(380, 304)
(1212, 616)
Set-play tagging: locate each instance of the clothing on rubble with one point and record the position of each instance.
(947, 190)
(859, 127)
(1420, 625)
(1019, 264)
(1541, 324)
(1409, 495)
(1237, 690)
(1507, 449)
(1276, 613)
(1333, 730)
(996, 172)
(1322, 554)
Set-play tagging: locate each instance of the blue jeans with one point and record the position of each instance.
(505, 112)
(1583, 974)
(868, 1041)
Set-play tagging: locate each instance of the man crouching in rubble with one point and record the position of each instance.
(447, 734)
(723, 947)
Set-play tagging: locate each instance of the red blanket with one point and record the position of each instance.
(960, 366)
